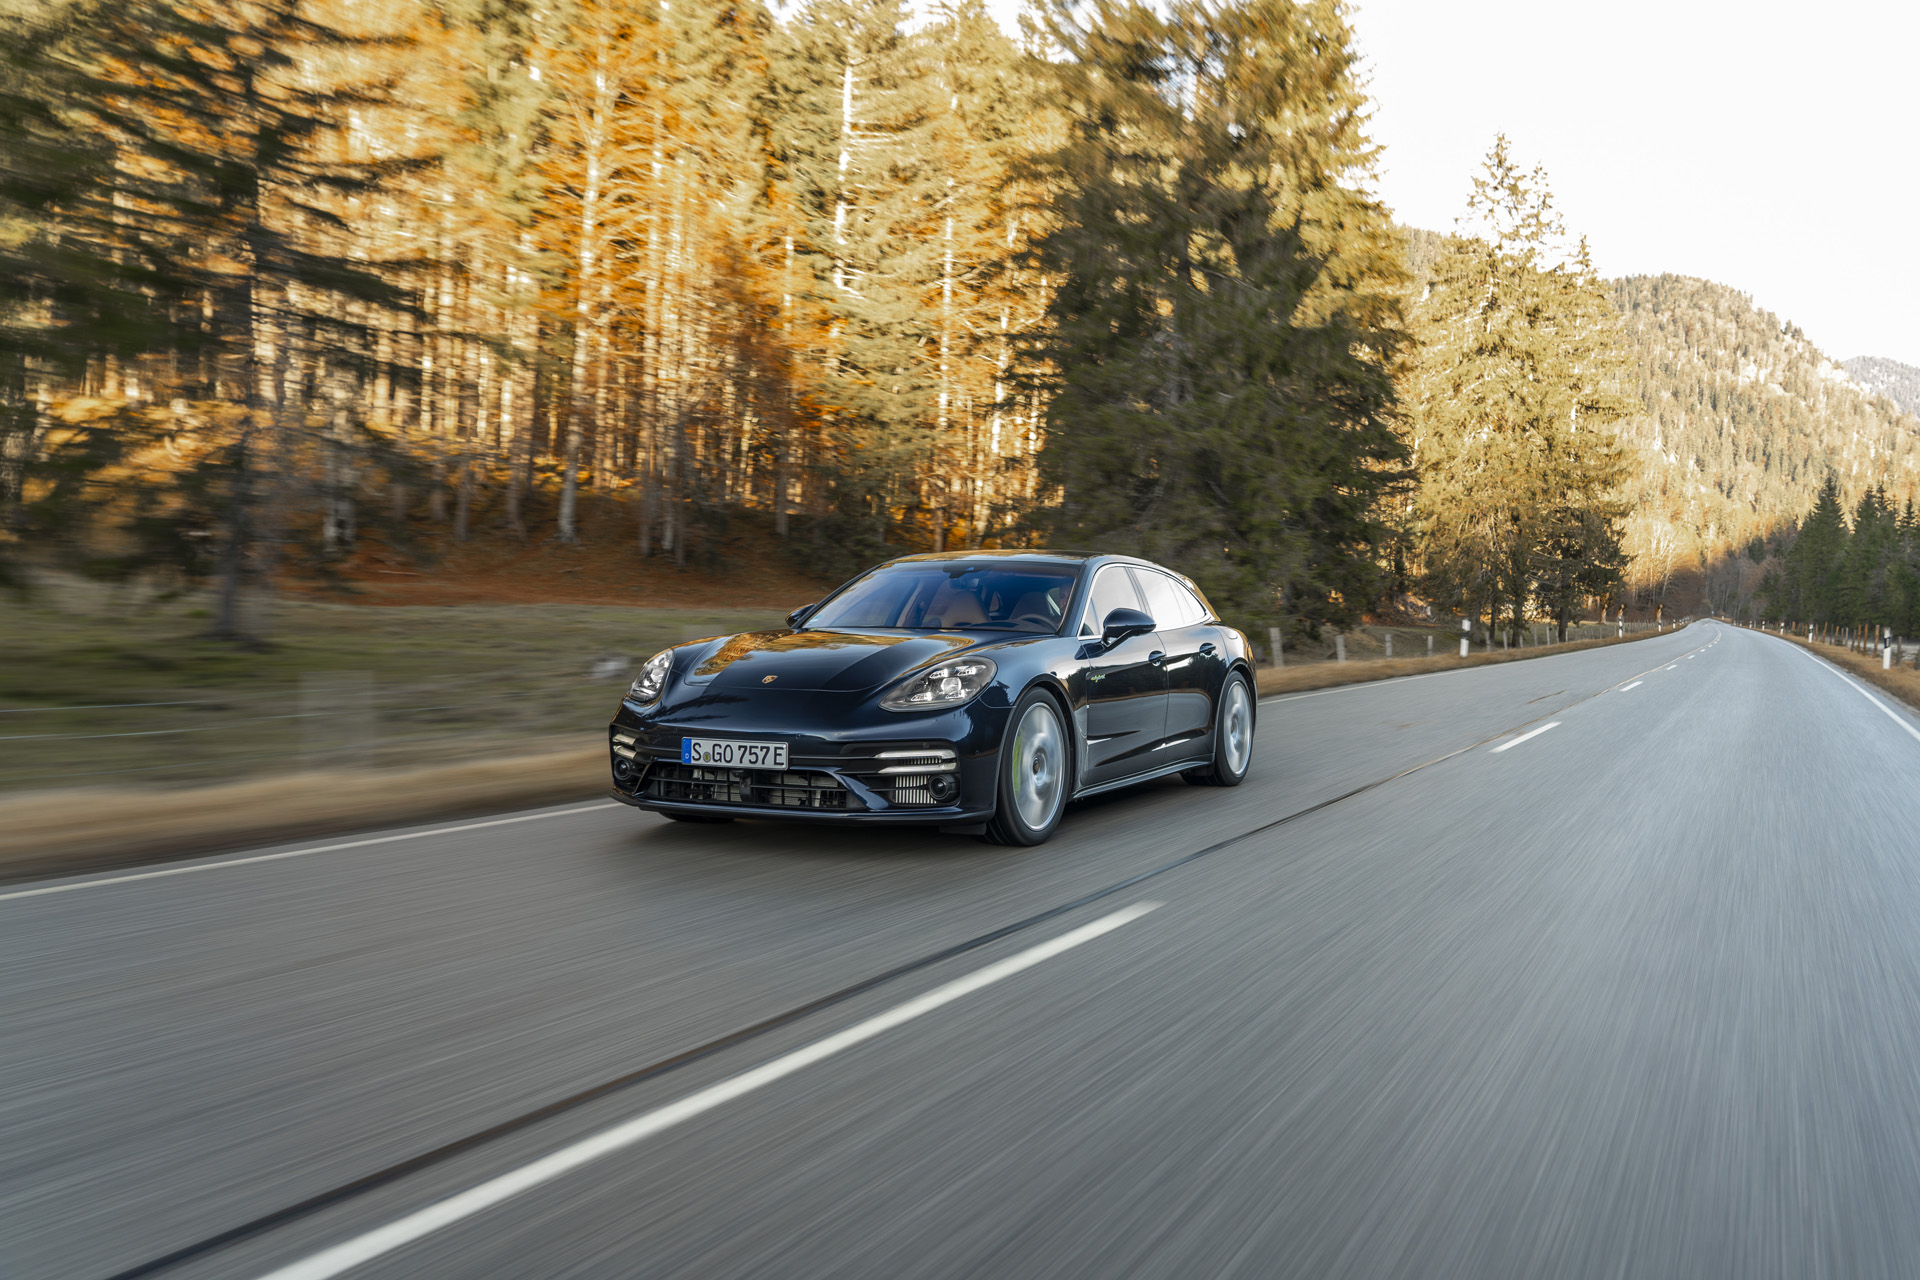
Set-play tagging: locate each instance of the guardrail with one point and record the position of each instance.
(1439, 640)
(1881, 642)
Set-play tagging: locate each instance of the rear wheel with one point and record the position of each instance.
(1232, 737)
(697, 817)
(1034, 768)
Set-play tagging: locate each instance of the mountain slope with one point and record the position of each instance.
(1742, 418)
(1898, 382)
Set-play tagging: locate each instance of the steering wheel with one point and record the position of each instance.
(1041, 618)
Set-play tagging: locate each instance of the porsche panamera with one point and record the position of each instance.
(973, 691)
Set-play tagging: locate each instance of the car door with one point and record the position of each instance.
(1194, 663)
(1124, 715)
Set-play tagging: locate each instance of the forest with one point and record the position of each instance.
(1831, 572)
(283, 279)
(1741, 421)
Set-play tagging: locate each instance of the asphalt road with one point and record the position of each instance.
(1637, 995)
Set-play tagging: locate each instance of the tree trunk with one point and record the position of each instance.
(579, 399)
(463, 501)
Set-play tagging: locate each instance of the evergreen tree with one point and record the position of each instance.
(227, 203)
(1861, 578)
(72, 299)
(1814, 558)
(492, 162)
(986, 121)
(1218, 343)
(1513, 406)
(859, 164)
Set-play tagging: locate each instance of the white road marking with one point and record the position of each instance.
(1635, 685)
(1861, 689)
(1514, 742)
(363, 1248)
(71, 885)
(1371, 684)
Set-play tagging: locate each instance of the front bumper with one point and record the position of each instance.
(940, 771)
(950, 817)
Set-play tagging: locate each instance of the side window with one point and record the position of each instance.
(1200, 601)
(1171, 604)
(1112, 589)
(1197, 609)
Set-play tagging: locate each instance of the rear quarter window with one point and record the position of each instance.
(1170, 603)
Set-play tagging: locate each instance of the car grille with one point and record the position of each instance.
(793, 789)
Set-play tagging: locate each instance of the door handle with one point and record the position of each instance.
(1206, 649)
(1157, 657)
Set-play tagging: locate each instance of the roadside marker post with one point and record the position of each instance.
(1339, 646)
(1466, 630)
(1429, 646)
(1279, 655)
(1389, 644)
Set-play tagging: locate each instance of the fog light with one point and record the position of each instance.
(943, 788)
(623, 770)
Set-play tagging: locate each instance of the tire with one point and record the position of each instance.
(706, 818)
(1232, 737)
(1035, 769)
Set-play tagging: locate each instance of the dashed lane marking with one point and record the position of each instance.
(1514, 742)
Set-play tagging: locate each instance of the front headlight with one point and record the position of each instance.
(947, 685)
(652, 680)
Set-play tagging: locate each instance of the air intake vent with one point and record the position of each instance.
(800, 789)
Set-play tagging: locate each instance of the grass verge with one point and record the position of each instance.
(68, 832)
(1327, 675)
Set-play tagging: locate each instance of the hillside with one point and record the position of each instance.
(1743, 418)
(1898, 382)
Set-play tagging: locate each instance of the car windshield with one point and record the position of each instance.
(942, 596)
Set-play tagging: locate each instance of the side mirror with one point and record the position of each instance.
(1122, 624)
(799, 616)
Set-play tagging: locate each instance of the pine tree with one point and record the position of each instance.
(1512, 410)
(1218, 342)
(985, 122)
(859, 167)
(491, 196)
(1812, 562)
(73, 299)
(226, 199)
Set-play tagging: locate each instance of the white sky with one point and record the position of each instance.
(1768, 146)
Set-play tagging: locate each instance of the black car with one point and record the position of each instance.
(977, 691)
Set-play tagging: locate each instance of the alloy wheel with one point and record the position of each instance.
(1038, 772)
(1236, 728)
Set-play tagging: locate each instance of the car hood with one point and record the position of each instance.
(840, 661)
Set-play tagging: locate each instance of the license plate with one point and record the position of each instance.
(733, 755)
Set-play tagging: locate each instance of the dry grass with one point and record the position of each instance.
(1902, 682)
(67, 832)
(1326, 675)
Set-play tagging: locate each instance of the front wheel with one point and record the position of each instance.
(1232, 737)
(1034, 767)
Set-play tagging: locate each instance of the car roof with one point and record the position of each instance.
(1016, 553)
